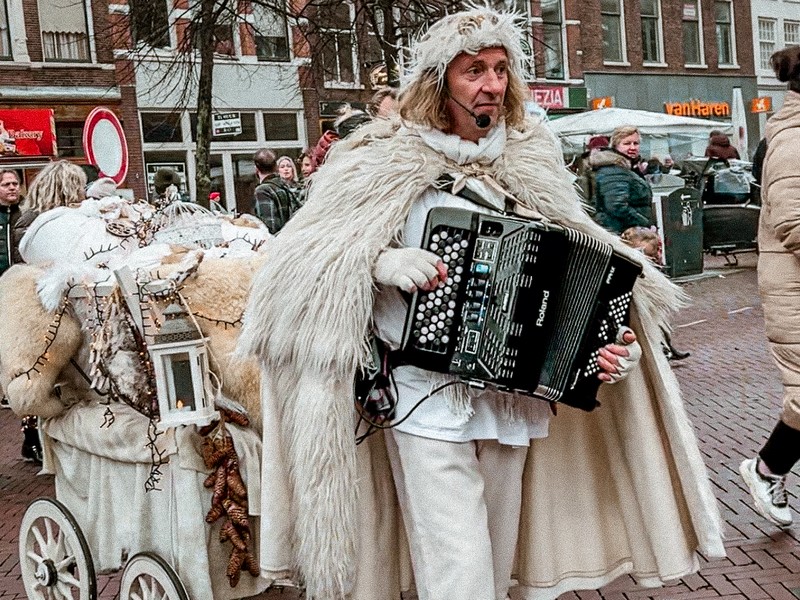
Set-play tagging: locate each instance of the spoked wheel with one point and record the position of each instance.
(54, 557)
(147, 576)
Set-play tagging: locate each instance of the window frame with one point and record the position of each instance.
(250, 19)
(659, 31)
(733, 64)
(325, 31)
(10, 54)
(763, 59)
(167, 4)
(562, 44)
(623, 42)
(796, 40)
(701, 48)
(89, 59)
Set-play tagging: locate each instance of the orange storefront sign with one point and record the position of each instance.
(698, 108)
(602, 102)
(760, 105)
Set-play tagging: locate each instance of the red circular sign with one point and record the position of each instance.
(105, 145)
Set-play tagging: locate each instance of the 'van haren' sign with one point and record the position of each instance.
(698, 108)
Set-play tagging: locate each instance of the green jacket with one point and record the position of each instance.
(622, 198)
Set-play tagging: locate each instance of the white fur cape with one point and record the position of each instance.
(620, 490)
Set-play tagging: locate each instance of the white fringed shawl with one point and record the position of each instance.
(310, 312)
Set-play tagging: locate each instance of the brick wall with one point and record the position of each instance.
(591, 39)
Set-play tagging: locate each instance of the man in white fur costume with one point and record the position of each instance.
(488, 485)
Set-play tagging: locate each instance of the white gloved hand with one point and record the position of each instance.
(616, 366)
(409, 268)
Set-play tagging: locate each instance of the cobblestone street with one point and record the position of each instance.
(732, 392)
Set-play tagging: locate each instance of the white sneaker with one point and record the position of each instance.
(769, 493)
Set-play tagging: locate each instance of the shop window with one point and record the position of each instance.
(244, 181)
(766, 41)
(791, 33)
(65, 32)
(248, 133)
(337, 41)
(150, 23)
(153, 161)
(613, 28)
(692, 34)
(280, 126)
(161, 127)
(70, 139)
(5, 34)
(651, 31)
(553, 34)
(270, 33)
(723, 20)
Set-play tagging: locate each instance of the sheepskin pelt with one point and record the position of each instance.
(36, 345)
(309, 316)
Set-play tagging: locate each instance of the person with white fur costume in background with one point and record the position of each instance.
(489, 486)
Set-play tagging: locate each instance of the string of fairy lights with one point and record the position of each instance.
(97, 312)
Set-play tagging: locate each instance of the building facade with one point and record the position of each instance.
(55, 60)
(776, 24)
(683, 57)
(256, 98)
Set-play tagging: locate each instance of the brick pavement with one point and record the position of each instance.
(732, 394)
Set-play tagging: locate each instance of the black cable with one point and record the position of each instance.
(377, 426)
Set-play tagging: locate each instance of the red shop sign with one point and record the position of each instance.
(27, 132)
(550, 97)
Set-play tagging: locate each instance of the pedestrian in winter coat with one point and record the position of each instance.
(778, 277)
(9, 215)
(719, 146)
(622, 196)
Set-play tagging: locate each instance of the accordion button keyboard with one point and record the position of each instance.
(435, 313)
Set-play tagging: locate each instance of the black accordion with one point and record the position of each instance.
(526, 306)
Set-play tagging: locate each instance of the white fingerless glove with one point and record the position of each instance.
(625, 364)
(406, 268)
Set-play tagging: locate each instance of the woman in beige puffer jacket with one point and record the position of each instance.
(779, 284)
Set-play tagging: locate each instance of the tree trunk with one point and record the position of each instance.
(204, 98)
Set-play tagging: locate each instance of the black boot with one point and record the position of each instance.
(31, 445)
(673, 354)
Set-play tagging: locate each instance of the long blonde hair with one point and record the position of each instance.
(424, 101)
(59, 184)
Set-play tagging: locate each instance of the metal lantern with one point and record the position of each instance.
(180, 363)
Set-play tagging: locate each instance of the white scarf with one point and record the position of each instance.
(487, 150)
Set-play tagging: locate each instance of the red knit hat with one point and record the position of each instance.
(598, 141)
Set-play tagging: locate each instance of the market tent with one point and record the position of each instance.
(662, 134)
(604, 120)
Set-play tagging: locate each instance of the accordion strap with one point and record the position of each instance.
(456, 185)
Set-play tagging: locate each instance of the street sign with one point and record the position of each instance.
(226, 124)
(761, 105)
(602, 102)
(104, 144)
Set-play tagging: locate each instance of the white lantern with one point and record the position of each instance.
(180, 363)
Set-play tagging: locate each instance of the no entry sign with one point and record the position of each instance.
(104, 144)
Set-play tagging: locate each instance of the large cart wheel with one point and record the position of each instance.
(147, 576)
(54, 557)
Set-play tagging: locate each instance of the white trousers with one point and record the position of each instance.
(461, 508)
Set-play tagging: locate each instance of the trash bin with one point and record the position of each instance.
(679, 215)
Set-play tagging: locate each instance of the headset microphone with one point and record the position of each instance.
(482, 121)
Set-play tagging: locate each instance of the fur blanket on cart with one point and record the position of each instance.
(131, 489)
